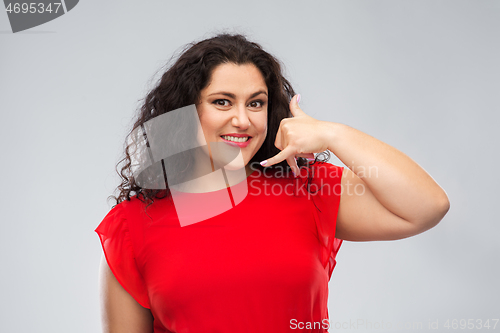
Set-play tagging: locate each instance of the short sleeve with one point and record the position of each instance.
(115, 239)
(325, 194)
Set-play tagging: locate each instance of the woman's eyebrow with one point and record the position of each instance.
(234, 96)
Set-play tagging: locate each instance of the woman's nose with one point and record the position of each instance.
(240, 119)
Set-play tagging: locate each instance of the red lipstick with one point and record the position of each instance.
(238, 144)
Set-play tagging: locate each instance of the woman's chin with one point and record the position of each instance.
(234, 165)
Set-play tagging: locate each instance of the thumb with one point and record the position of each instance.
(294, 106)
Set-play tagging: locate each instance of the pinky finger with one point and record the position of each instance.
(292, 162)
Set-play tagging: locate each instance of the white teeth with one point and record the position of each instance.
(235, 139)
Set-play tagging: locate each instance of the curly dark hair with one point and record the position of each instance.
(181, 85)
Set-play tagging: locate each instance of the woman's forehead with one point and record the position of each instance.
(233, 78)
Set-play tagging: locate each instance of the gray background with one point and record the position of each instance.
(422, 76)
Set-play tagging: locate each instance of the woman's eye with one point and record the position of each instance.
(221, 102)
(256, 104)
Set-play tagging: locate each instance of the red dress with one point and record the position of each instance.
(261, 266)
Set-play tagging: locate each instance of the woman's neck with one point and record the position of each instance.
(216, 180)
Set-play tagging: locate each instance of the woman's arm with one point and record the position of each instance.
(386, 196)
(120, 312)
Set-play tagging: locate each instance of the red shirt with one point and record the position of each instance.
(262, 265)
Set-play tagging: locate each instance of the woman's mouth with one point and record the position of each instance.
(241, 142)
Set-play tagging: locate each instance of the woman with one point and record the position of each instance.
(179, 260)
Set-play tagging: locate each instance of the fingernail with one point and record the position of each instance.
(298, 99)
(263, 163)
(294, 174)
(311, 159)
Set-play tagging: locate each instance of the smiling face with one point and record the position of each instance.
(233, 108)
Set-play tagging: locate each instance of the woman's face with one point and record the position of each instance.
(234, 104)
